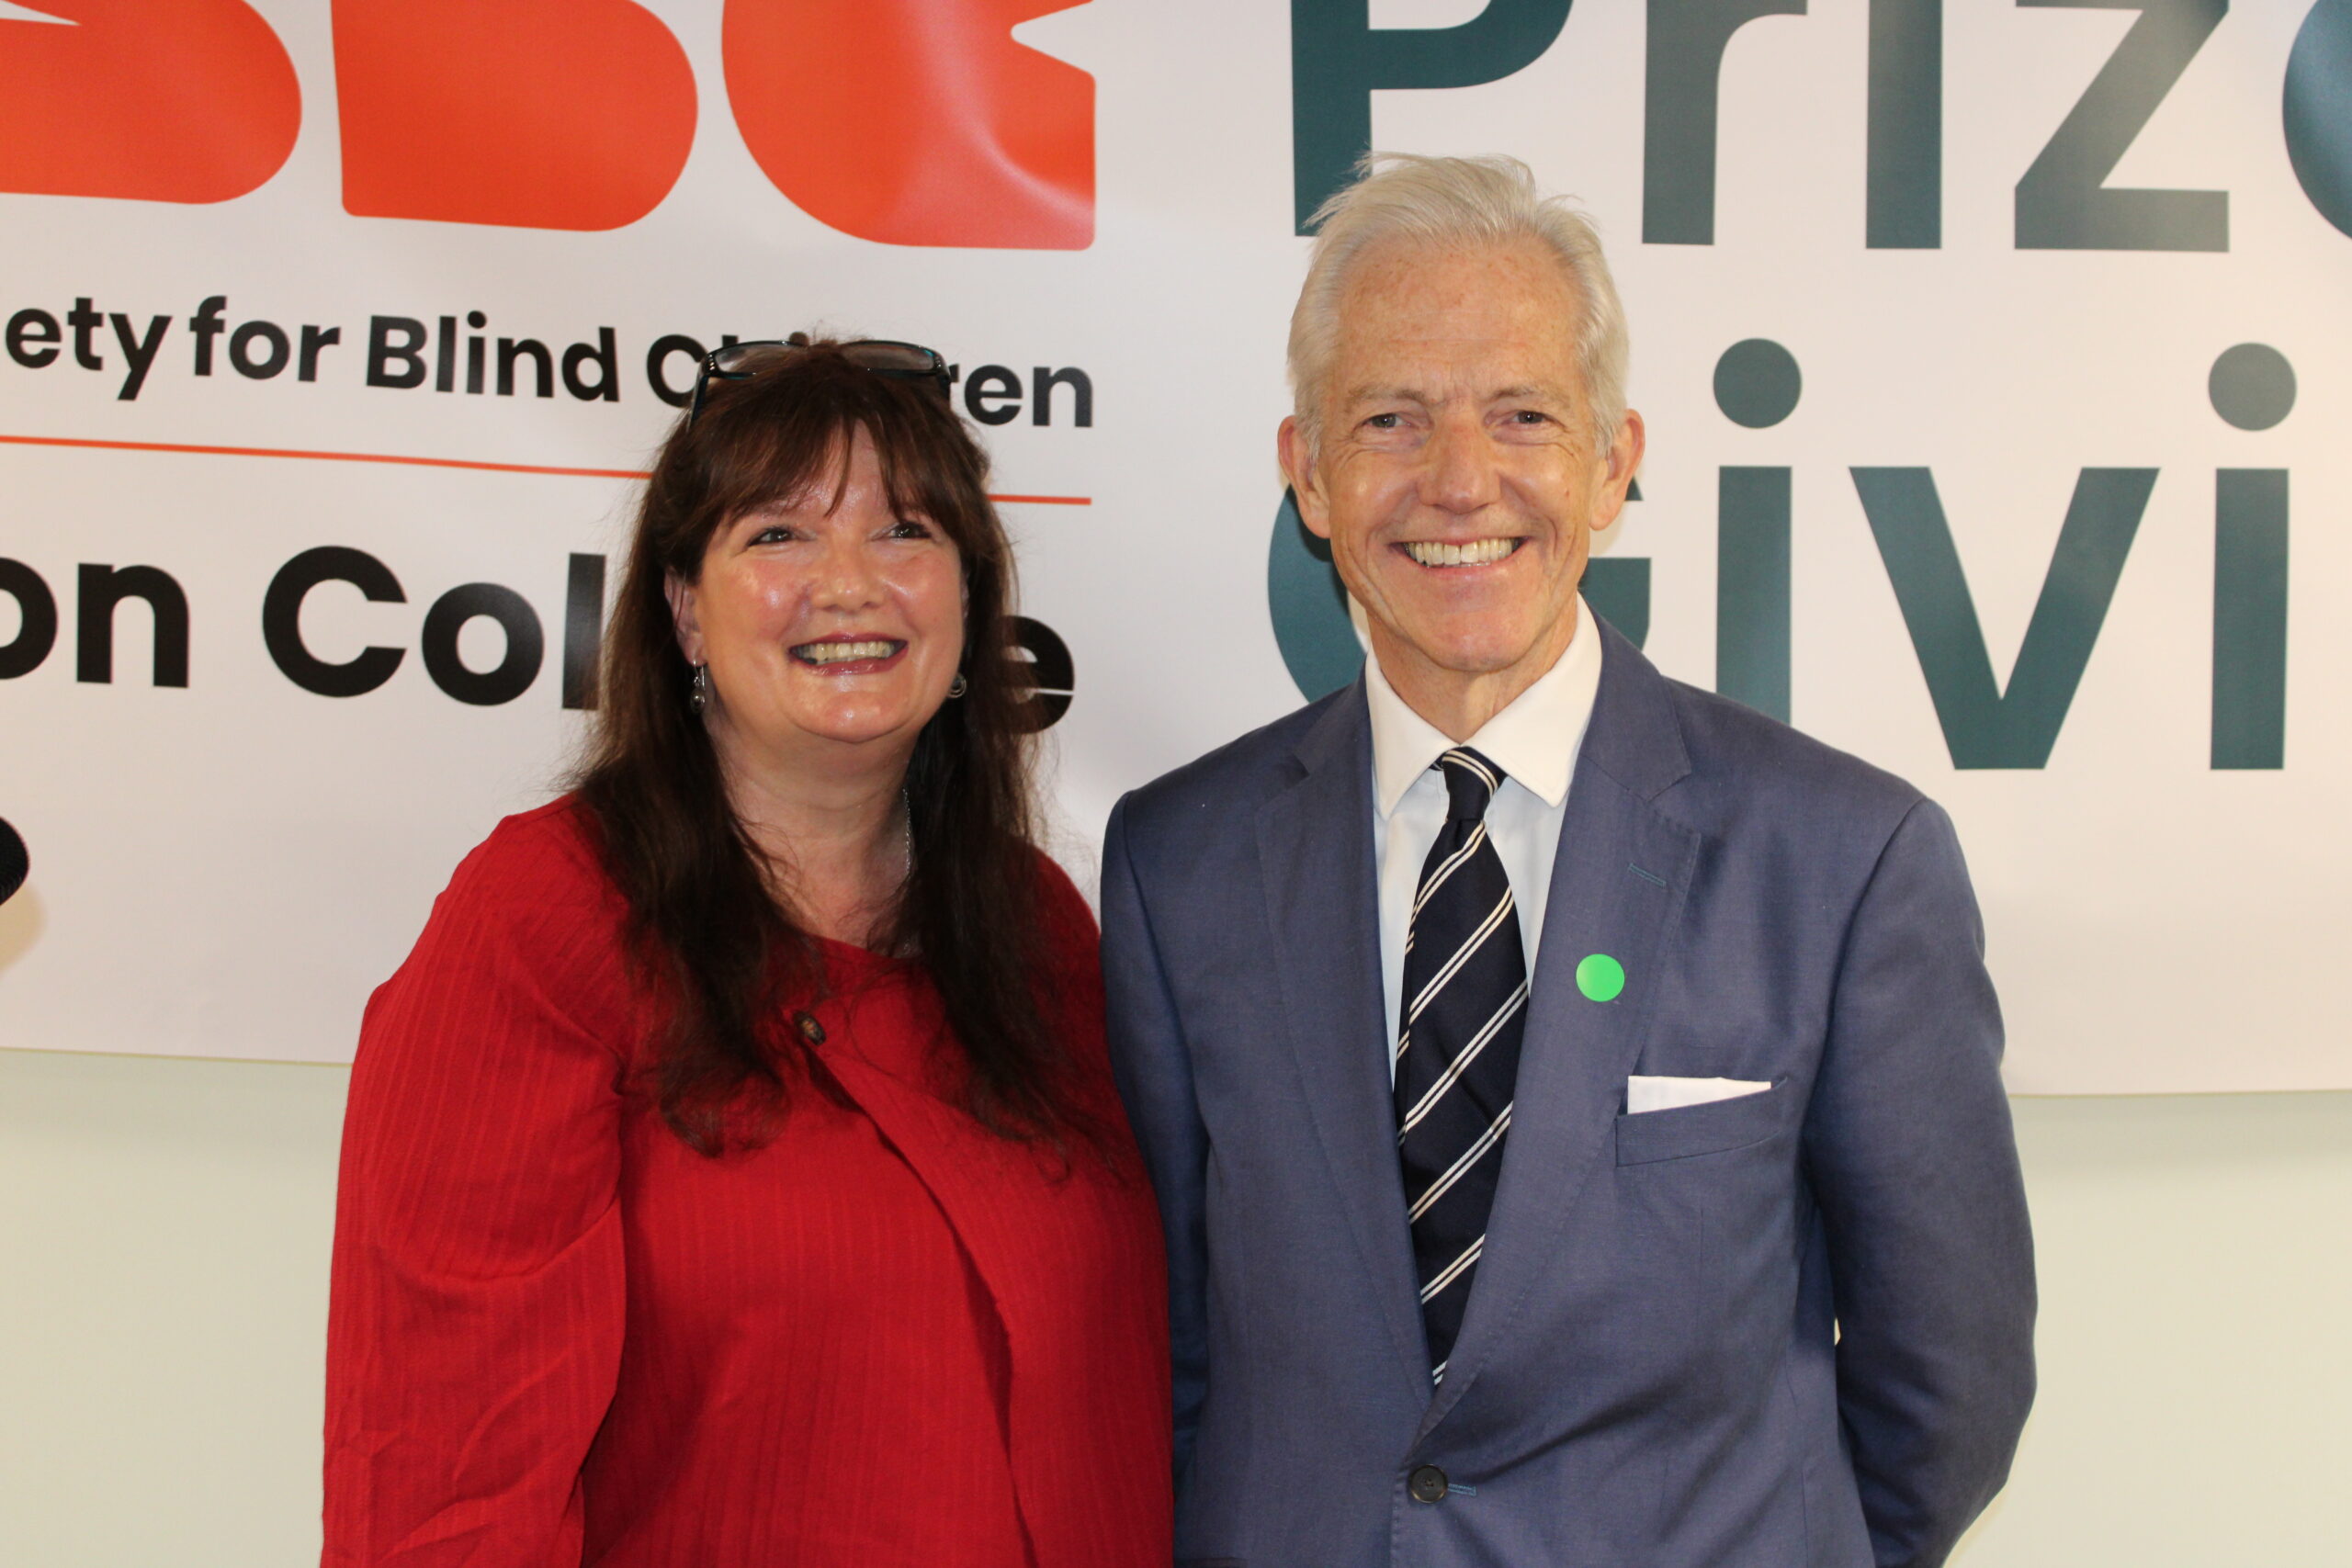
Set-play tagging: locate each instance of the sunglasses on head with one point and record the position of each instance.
(739, 362)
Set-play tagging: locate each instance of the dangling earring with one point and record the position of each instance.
(699, 693)
(958, 686)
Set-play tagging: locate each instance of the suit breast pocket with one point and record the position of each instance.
(1692, 1130)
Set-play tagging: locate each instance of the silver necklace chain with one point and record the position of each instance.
(906, 836)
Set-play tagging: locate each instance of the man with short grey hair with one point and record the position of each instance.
(1573, 1098)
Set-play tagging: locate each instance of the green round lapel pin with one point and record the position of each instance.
(1600, 977)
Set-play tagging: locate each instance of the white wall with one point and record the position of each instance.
(164, 1232)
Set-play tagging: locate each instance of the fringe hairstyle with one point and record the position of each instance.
(723, 955)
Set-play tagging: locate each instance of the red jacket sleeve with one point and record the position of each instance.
(477, 1288)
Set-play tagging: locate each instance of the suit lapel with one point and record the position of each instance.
(1322, 901)
(1618, 885)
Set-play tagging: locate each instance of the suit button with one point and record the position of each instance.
(1427, 1483)
(810, 1030)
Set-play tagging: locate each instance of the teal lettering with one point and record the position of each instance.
(1903, 181)
(2250, 618)
(1617, 589)
(1337, 60)
(2316, 110)
(1681, 71)
(1983, 726)
(2062, 203)
(1752, 588)
(1309, 608)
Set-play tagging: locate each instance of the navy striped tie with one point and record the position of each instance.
(1464, 1007)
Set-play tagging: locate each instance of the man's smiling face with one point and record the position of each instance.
(1457, 477)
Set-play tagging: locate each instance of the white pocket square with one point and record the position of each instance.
(1647, 1094)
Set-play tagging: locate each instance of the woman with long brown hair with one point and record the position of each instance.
(733, 1174)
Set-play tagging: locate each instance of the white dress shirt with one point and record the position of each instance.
(1534, 741)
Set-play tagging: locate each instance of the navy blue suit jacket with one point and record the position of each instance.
(1788, 1329)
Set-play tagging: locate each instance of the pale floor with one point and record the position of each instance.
(163, 1231)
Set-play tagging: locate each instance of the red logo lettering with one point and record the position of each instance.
(533, 114)
(917, 122)
(147, 100)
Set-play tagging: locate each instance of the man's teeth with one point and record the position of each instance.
(1477, 552)
(844, 652)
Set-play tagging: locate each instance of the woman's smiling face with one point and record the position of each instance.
(827, 620)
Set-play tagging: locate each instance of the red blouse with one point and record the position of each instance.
(559, 1335)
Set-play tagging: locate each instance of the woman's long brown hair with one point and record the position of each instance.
(722, 955)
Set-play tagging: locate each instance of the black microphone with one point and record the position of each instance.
(15, 864)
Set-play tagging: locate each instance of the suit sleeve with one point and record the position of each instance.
(477, 1288)
(1154, 1070)
(1911, 1157)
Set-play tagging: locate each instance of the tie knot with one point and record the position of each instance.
(1470, 783)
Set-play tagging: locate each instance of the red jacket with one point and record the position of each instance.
(561, 1337)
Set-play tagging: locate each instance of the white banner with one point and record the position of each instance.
(1994, 359)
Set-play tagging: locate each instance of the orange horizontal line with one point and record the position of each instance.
(319, 457)
(413, 462)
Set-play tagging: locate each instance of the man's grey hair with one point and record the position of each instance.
(1454, 202)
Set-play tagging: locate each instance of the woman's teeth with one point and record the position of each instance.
(1477, 552)
(844, 652)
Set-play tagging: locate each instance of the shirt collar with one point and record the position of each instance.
(1533, 740)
